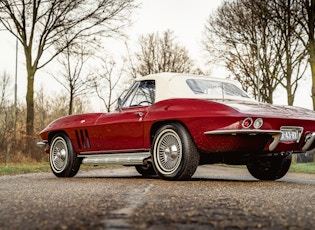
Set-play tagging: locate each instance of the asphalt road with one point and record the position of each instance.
(118, 198)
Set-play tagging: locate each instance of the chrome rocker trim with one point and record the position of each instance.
(123, 158)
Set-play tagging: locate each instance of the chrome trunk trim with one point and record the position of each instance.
(243, 131)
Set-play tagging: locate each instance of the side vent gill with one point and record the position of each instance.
(83, 139)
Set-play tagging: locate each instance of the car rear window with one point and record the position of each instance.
(215, 88)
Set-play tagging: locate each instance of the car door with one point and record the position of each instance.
(122, 130)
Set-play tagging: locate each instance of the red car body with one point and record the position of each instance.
(165, 135)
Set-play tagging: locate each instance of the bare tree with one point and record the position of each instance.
(292, 58)
(6, 120)
(40, 26)
(305, 16)
(259, 47)
(107, 81)
(74, 77)
(49, 107)
(4, 85)
(161, 54)
(234, 33)
(42, 108)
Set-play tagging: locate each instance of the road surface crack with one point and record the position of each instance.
(119, 218)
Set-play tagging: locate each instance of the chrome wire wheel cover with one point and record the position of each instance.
(58, 155)
(168, 151)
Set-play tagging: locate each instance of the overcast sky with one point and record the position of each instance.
(185, 17)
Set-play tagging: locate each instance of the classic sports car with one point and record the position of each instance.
(169, 123)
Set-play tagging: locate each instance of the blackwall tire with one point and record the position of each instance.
(145, 170)
(174, 154)
(62, 158)
(270, 168)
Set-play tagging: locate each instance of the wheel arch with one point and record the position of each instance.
(54, 133)
(155, 127)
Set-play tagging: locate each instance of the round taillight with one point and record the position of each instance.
(247, 123)
(258, 123)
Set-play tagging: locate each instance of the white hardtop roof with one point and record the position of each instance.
(173, 85)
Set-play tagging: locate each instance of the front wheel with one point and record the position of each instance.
(270, 168)
(62, 158)
(174, 154)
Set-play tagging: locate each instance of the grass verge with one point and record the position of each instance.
(18, 168)
(303, 168)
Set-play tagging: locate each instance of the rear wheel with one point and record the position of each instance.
(62, 158)
(146, 170)
(174, 154)
(270, 168)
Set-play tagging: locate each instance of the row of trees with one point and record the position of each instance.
(13, 139)
(265, 44)
(46, 29)
(82, 72)
(50, 27)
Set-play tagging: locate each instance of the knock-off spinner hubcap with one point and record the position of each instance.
(168, 151)
(58, 155)
(171, 152)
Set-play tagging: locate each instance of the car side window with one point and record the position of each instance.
(141, 94)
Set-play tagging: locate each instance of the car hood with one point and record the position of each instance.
(79, 120)
(269, 110)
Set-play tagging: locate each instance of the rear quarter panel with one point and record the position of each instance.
(197, 115)
(200, 116)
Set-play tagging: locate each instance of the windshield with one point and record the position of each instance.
(215, 89)
(141, 94)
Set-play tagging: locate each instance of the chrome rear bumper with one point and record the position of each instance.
(309, 140)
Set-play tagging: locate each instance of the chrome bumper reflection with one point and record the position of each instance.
(42, 143)
(309, 140)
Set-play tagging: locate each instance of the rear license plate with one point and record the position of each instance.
(289, 135)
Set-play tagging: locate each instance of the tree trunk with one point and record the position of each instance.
(312, 64)
(311, 22)
(70, 102)
(30, 102)
(290, 95)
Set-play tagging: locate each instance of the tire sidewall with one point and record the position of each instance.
(72, 163)
(189, 156)
(279, 166)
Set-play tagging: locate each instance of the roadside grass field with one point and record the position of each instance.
(19, 168)
(303, 168)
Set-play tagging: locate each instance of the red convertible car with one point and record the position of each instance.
(167, 124)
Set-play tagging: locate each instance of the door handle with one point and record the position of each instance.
(140, 114)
